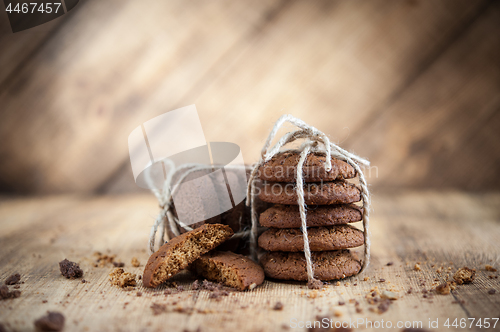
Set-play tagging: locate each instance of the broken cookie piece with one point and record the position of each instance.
(232, 270)
(464, 275)
(70, 270)
(183, 250)
(122, 279)
(13, 279)
(6, 294)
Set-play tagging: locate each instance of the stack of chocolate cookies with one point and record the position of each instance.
(330, 209)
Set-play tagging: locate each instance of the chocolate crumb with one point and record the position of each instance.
(341, 302)
(44, 301)
(13, 279)
(491, 291)
(5, 294)
(17, 286)
(158, 308)
(53, 321)
(139, 294)
(195, 285)
(118, 264)
(390, 263)
(315, 284)
(70, 270)
(464, 275)
(384, 306)
(2, 328)
(278, 306)
(382, 280)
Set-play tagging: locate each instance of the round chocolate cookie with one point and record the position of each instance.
(288, 216)
(283, 168)
(328, 265)
(320, 238)
(336, 192)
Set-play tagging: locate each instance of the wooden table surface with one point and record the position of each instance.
(436, 229)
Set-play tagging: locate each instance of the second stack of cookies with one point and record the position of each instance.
(330, 209)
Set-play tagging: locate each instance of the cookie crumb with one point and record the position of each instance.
(70, 270)
(443, 289)
(195, 285)
(118, 264)
(384, 306)
(417, 267)
(158, 308)
(53, 321)
(135, 262)
(13, 279)
(315, 284)
(490, 268)
(121, 278)
(5, 294)
(139, 294)
(278, 306)
(103, 259)
(464, 275)
(491, 291)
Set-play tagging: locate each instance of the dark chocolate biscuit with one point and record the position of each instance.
(283, 168)
(320, 238)
(182, 250)
(328, 265)
(288, 216)
(231, 269)
(326, 193)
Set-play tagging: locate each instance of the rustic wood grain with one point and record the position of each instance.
(115, 65)
(67, 112)
(444, 129)
(447, 229)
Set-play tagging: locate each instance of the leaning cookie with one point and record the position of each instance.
(328, 265)
(288, 216)
(283, 168)
(231, 269)
(320, 238)
(182, 250)
(326, 193)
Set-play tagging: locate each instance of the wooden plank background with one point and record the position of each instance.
(37, 233)
(412, 85)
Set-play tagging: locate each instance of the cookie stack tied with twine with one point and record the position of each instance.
(309, 235)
